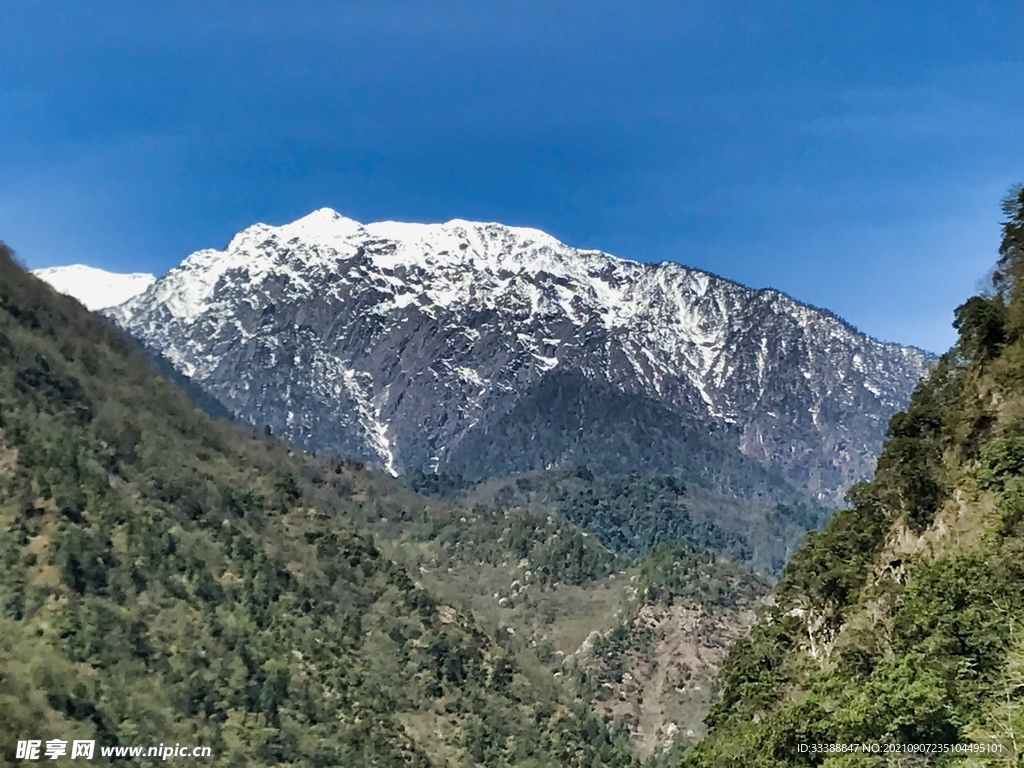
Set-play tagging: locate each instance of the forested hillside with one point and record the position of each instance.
(903, 622)
(640, 641)
(630, 513)
(168, 578)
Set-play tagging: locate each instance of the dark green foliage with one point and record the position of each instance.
(753, 675)
(631, 513)
(955, 611)
(1009, 268)
(611, 650)
(981, 321)
(440, 484)
(909, 474)
(558, 554)
(44, 384)
(905, 700)
(831, 566)
(1001, 459)
(675, 572)
(84, 558)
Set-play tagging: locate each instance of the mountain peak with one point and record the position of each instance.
(413, 345)
(323, 221)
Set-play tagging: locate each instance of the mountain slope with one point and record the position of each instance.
(95, 288)
(168, 578)
(632, 513)
(638, 641)
(416, 346)
(900, 624)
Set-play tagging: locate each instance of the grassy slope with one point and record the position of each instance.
(901, 622)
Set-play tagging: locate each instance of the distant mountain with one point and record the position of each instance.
(95, 288)
(485, 349)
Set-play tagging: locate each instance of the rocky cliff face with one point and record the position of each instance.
(485, 349)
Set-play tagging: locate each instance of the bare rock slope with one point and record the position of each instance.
(487, 349)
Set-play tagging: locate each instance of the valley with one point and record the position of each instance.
(512, 385)
(899, 623)
(632, 601)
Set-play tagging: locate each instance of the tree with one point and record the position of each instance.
(981, 322)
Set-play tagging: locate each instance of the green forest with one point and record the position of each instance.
(170, 577)
(630, 513)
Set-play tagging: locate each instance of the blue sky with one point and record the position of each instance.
(851, 154)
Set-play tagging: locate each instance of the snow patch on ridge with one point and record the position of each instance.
(95, 288)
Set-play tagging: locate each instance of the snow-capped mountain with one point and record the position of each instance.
(483, 349)
(95, 288)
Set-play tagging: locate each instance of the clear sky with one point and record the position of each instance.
(852, 154)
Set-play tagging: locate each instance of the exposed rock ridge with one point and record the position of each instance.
(400, 342)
